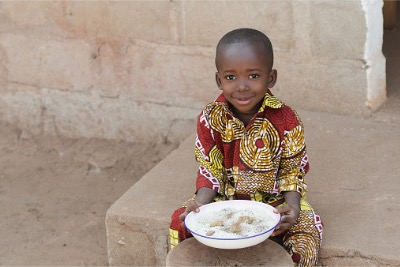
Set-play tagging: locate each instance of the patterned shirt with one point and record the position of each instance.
(265, 158)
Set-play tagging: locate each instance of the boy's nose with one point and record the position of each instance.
(242, 85)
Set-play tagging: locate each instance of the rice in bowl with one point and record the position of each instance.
(232, 224)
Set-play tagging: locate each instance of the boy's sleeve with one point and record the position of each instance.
(294, 161)
(210, 173)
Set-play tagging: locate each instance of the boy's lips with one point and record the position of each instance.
(243, 100)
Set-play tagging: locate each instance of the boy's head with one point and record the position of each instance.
(244, 62)
(247, 36)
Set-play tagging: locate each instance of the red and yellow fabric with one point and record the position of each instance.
(235, 159)
(257, 162)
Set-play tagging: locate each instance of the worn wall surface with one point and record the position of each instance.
(139, 70)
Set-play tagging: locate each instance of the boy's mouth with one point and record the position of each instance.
(243, 100)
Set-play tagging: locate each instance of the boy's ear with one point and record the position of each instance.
(273, 75)
(218, 80)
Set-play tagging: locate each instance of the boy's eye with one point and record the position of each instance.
(230, 77)
(254, 76)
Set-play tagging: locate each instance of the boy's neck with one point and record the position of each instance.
(245, 117)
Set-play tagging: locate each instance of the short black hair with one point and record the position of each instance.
(249, 36)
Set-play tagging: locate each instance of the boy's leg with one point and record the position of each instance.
(303, 240)
(177, 232)
(277, 239)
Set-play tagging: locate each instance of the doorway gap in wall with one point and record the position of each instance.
(390, 110)
(391, 45)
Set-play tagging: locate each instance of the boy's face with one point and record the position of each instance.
(244, 76)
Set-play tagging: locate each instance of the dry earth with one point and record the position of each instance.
(55, 192)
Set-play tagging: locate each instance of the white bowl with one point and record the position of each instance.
(232, 243)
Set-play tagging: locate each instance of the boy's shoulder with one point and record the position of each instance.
(279, 113)
(286, 110)
(273, 105)
(219, 103)
(286, 116)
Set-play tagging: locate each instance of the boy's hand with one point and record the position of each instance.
(191, 205)
(204, 195)
(289, 216)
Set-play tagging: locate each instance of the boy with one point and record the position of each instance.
(251, 146)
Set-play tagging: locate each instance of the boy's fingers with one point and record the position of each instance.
(187, 211)
(287, 220)
(282, 209)
(182, 216)
(280, 229)
(194, 206)
(277, 232)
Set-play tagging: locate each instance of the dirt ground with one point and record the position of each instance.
(55, 192)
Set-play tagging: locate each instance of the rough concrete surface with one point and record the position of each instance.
(93, 69)
(272, 255)
(353, 185)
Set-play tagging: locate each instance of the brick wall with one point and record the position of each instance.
(140, 70)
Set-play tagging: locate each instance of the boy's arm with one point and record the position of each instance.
(205, 195)
(211, 172)
(294, 161)
(290, 212)
(293, 167)
(292, 198)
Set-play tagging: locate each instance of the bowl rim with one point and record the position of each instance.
(234, 238)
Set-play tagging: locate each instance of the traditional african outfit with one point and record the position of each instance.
(257, 162)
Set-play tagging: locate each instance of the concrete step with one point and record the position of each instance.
(353, 184)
